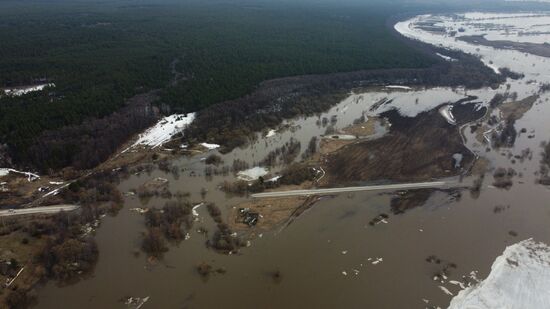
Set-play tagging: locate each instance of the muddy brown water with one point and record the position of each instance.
(326, 257)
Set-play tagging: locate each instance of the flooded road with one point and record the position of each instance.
(331, 256)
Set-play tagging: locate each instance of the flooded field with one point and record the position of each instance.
(355, 250)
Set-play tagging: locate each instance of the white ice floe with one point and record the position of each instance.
(271, 133)
(398, 87)
(136, 302)
(19, 91)
(164, 130)
(519, 278)
(376, 261)
(194, 209)
(210, 146)
(252, 173)
(445, 290)
(460, 284)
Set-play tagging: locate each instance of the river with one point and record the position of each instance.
(330, 256)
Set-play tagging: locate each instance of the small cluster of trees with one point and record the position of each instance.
(172, 224)
(284, 154)
(66, 258)
(222, 240)
(213, 159)
(545, 165)
(503, 177)
(239, 165)
(96, 194)
(507, 136)
(65, 254)
(311, 148)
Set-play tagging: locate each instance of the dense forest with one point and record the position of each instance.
(196, 53)
(99, 56)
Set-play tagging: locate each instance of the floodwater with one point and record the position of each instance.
(330, 256)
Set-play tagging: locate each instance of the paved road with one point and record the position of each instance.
(37, 210)
(402, 186)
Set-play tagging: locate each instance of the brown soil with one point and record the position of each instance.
(516, 110)
(273, 212)
(327, 146)
(363, 129)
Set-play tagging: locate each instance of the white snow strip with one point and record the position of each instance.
(252, 173)
(53, 192)
(164, 130)
(19, 91)
(210, 146)
(56, 191)
(491, 66)
(519, 278)
(399, 87)
(447, 58)
(342, 136)
(6, 171)
(17, 275)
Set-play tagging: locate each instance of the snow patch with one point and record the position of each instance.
(210, 146)
(274, 179)
(164, 130)
(252, 173)
(519, 278)
(446, 112)
(271, 133)
(6, 171)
